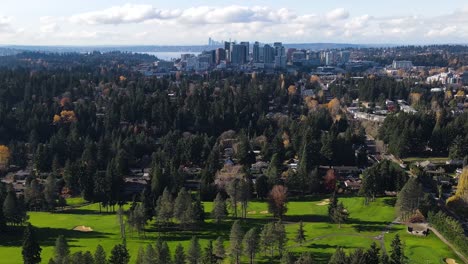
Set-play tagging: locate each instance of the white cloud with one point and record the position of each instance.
(337, 14)
(5, 23)
(124, 14)
(146, 24)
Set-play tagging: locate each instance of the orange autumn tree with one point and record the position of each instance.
(66, 116)
(334, 106)
(4, 156)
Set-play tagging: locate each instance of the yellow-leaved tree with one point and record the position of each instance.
(459, 202)
(4, 156)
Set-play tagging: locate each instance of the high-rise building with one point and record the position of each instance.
(220, 55)
(238, 54)
(247, 48)
(344, 56)
(268, 54)
(330, 58)
(227, 49)
(279, 49)
(256, 52)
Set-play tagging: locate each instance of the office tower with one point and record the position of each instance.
(344, 56)
(220, 55)
(268, 54)
(247, 49)
(238, 54)
(330, 58)
(279, 49)
(256, 52)
(227, 49)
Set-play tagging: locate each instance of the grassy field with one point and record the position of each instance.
(365, 223)
(435, 160)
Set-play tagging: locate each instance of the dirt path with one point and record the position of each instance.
(441, 237)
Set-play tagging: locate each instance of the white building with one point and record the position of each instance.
(402, 64)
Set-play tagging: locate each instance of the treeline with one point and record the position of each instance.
(243, 247)
(451, 229)
(413, 134)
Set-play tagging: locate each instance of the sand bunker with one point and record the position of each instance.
(450, 261)
(83, 229)
(324, 202)
(264, 212)
(252, 212)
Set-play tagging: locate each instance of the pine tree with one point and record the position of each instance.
(162, 252)
(267, 238)
(219, 248)
(164, 207)
(179, 256)
(61, 249)
(150, 255)
(219, 211)
(208, 255)
(261, 187)
(50, 191)
(10, 206)
(287, 258)
(372, 255)
(339, 257)
(397, 255)
(304, 169)
(340, 214)
(31, 249)
(274, 169)
(305, 258)
(235, 241)
(409, 198)
(88, 258)
(300, 235)
(198, 211)
(141, 256)
(250, 244)
(119, 255)
(233, 191)
(182, 204)
(280, 236)
(193, 253)
(100, 255)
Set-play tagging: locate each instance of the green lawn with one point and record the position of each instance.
(437, 160)
(364, 224)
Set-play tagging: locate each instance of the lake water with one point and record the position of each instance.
(169, 55)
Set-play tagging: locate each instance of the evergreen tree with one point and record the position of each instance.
(250, 244)
(340, 214)
(287, 258)
(304, 169)
(194, 251)
(219, 211)
(233, 191)
(219, 248)
(300, 235)
(88, 258)
(179, 256)
(164, 207)
(372, 255)
(280, 236)
(235, 241)
(182, 204)
(198, 211)
(409, 198)
(274, 169)
(61, 249)
(100, 255)
(31, 250)
(208, 255)
(10, 206)
(119, 255)
(267, 238)
(305, 258)
(150, 255)
(261, 187)
(397, 255)
(50, 191)
(141, 256)
(162, 252)
(339, 257)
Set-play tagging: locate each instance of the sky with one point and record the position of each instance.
(192, 22)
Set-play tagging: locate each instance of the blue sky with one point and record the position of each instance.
(129, 22)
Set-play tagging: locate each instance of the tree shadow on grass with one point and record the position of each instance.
(46, 236)
(390, 201)
(368, 226)
(306, 218)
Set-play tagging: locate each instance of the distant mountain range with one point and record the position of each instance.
(182, 48)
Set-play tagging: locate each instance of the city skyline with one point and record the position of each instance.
(117, 22)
